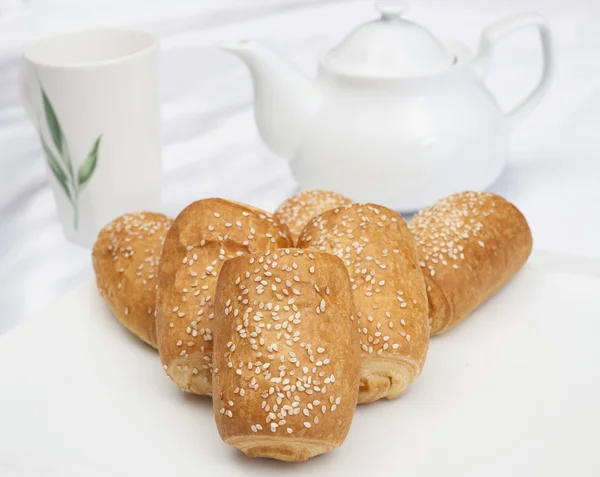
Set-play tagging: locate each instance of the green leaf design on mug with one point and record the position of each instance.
(53, 124)
(56, 169)
(56, 133)
(89, 165)
(63, 169)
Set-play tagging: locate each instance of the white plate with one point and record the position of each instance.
(512, 391)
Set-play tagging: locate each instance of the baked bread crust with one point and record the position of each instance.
(125, 258)
(286, 354)
(297, 211)
(388, 288)
(203, 236)
(469, 244)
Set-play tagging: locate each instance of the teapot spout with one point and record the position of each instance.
(284, 99)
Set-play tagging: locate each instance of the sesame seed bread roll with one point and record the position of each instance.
(125, 258)
(203, 236)
(297, 211)
(470, 244)
(286, 356)
(388, 288)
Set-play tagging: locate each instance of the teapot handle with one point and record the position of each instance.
(495, 32)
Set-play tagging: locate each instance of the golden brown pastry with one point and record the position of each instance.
(203, 236)
(388, 288)
(469, 245)
(297, 211)
(125, 258)
(286, 354)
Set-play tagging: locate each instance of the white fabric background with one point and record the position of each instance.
(211, 144)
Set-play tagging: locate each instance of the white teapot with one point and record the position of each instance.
(395, 116)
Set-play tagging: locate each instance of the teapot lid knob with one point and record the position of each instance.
(389, 47)
(391, 9)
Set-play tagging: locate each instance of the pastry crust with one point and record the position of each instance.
(203, 236)
(297, 211)
(470, 244)
(388, 288)
(125, 259)
(286, 356)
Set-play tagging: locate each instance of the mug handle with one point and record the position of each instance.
(26, 97)
(494, 33)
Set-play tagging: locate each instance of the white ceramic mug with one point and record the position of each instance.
(93, 98)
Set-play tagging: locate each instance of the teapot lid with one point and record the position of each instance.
(389, 47)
